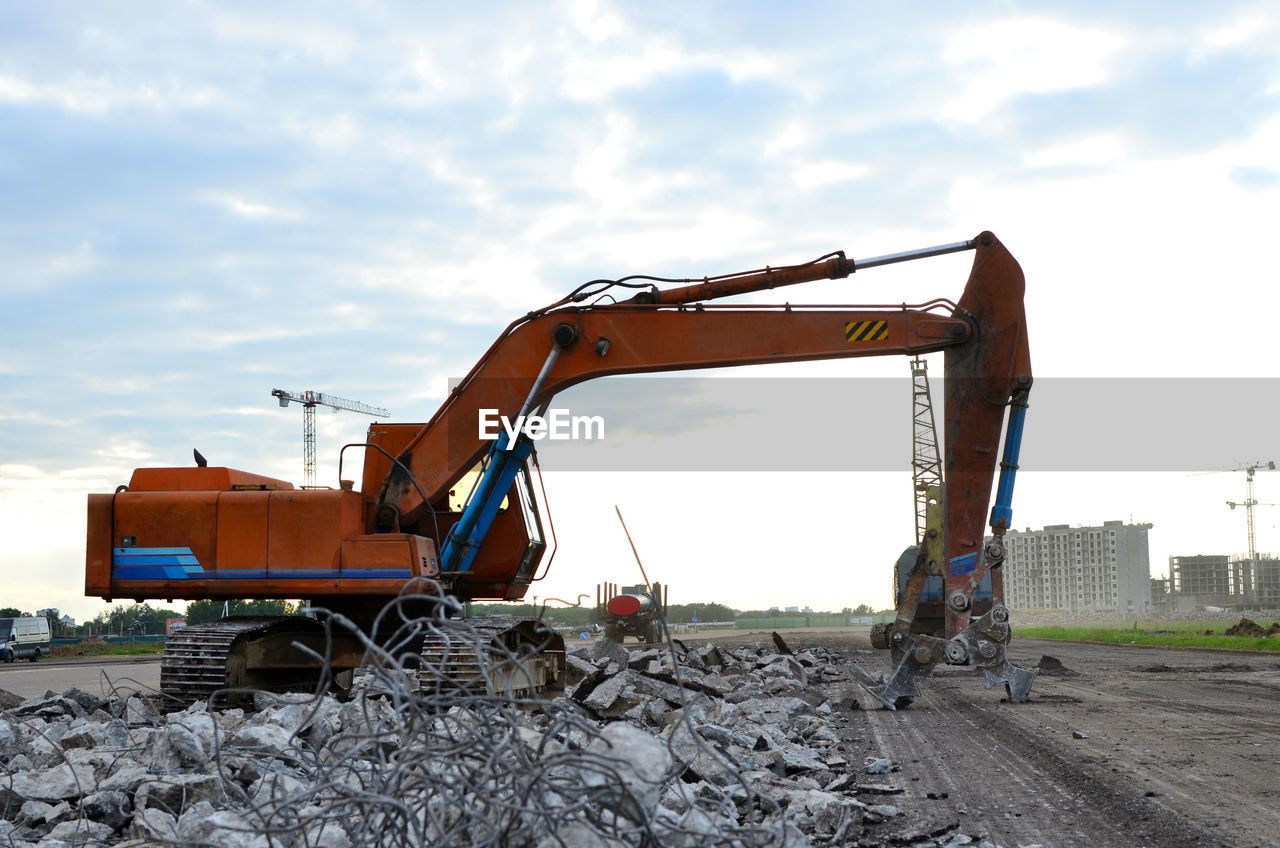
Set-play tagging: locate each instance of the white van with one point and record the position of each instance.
(24, 638)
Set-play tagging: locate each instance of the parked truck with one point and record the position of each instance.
(632, 611)
(24, 638)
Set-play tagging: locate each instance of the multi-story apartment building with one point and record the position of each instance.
(1079, 569)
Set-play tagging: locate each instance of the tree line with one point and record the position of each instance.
(676, 613)
(144, 619)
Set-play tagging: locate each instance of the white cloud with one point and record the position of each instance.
(595, 70)
(1095, 150)
(97, 95)
(1250, 28)
(817, 174)
(251, 208)
(792, 136)
(283, 36)
(132, 451)
(595, 21)
(252, 411)
(997, 60)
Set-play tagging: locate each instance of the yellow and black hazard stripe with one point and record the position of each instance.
(866, 331)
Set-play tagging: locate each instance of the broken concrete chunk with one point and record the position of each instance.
(79, 832)
(610, 650)
(878, 765)
(175, 792)
(176, 748)
(35, 813)
(710, 656)
(603, 696)
(270, 739)
(112, 808)
(202, 824)
(78, 739)
(49, 706)
(90, 703)
(879, 789)
(580, 664)
(140, 712)
(56, 784)
(127, 779)
(154, 826)
(636, 760)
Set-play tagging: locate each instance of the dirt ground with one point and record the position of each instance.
(1122, 746)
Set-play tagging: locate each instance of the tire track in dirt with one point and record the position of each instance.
(1014, 785)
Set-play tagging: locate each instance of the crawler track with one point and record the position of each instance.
(496, 655)
(250, 654)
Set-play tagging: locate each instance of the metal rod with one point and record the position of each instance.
(633, 545)
(540, 381)
(908, 255)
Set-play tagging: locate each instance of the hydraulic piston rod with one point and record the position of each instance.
(835, 268)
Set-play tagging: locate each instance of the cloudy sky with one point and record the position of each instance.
(205, 201)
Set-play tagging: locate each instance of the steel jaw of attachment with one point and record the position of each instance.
(985, 640)
(914, 659)
(981, 645)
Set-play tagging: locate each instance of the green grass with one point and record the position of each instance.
(109, 650)
(1183, 634)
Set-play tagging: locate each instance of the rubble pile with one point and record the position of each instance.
(1249, 627)
(667, 747)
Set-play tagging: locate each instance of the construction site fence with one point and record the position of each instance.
(113, 640)
(785, 622)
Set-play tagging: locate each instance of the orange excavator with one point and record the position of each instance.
(444, 509)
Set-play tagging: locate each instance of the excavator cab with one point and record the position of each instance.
(515, 543)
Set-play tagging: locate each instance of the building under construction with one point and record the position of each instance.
(1212, 578)
(1225, 581)
(1266, 581)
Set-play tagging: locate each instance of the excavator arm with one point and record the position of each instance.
(988, 371)
(583, 343)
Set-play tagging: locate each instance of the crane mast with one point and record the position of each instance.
(926, 466)
(1249, 503)
(310, 400)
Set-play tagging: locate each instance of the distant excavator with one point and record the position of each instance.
(441, 509)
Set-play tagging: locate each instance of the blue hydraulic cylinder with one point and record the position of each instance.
(500, 469)
(1002, 511)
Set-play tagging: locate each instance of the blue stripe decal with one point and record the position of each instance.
(143, 572)
(159, 551)
(177, 572)
(962, 565)
(154, 559)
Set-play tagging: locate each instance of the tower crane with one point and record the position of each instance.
(1250, 502)
(310, 400)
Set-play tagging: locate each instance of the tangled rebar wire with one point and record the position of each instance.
(413, 756)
